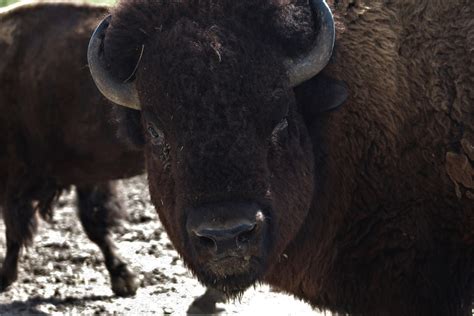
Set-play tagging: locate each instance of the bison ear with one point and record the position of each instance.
(320, 94)
(129, 127)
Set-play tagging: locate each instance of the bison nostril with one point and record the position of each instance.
(244, 237)
(219, 231)
(220, 239)
(207, 242)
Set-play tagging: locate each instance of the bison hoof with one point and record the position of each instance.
(124, 282)
(206, 304)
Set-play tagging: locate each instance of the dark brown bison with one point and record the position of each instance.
(367, 210)
(56, 130)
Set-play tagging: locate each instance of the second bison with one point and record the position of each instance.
(56, 130)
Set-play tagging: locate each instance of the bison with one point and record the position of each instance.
(367, 210)
(56, 130)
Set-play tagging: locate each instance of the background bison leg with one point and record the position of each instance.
(99, 210)
(9, 271)
(21, 224)
(206, 303)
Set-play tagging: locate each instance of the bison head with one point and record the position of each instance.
(229, 158)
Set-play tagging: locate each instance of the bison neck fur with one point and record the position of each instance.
(390, 231)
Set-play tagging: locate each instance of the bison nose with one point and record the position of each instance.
(226, 230)
(223, 239)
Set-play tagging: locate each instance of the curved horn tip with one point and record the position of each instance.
(124, 94)
(308, 66)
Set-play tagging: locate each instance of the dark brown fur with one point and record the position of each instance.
(370, 208)
(56, 130)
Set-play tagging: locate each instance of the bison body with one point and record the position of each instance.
(367, 210)
(390, 231)
(56, 130)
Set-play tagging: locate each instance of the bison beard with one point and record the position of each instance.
(369, 213)
(245, 274)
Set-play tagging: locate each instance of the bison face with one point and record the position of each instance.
(229, 159)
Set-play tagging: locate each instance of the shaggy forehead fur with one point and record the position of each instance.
(213, 75)
(285, 26)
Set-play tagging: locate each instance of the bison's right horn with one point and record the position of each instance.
(122, 93)
(304, 68)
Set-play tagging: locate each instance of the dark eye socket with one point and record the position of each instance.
(282, 125)
(277, 133)
(157, 136)
(153, 132)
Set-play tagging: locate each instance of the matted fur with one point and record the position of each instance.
(138, 22)
(392, 229)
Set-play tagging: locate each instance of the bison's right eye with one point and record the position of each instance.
(156, 136)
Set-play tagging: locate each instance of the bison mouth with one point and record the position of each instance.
(229, 243)
(231, 275)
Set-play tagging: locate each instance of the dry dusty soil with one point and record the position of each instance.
(63, 272)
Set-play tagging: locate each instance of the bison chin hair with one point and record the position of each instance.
(233, 286)
(231, 282)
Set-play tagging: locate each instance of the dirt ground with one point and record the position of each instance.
(63, 272)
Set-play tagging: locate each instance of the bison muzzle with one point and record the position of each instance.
(229, 241)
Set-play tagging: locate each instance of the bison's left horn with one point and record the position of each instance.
(122, 93)
(305, 67)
